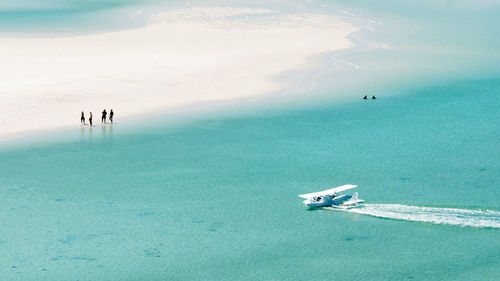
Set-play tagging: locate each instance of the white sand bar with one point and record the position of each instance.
(181, 57)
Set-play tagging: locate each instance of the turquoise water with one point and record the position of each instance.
(215, 196)
(217, 199)
(63, 17)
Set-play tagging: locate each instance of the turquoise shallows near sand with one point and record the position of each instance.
(60, 17)
(217, 199)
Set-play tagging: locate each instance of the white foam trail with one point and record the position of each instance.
(450, 216)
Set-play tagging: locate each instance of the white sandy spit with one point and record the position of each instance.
(181, 57)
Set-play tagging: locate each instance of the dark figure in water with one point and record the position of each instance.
(82, 119)
(111, 116)
(365, 97)
(104, 113)
(90, 119)
(373, 97)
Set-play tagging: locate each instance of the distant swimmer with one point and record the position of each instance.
(373, 98)
(82, 119)
(104, 113)
(365, 97)
(111, 116)
(90, 119)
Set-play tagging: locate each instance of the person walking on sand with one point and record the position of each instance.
(82, 119)
(111, 113)
(90, 119)
(104, 113)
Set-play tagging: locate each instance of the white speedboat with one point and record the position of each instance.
(331, 198)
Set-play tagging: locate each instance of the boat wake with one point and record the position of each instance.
(449, 216)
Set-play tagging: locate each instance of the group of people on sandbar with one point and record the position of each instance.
(366, 97)
(103, 117)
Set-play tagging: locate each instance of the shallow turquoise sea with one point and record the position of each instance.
(213, 196)
(217, 199)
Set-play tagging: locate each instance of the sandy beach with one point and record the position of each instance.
(180, 57)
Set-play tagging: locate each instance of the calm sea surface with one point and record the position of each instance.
(215, 198)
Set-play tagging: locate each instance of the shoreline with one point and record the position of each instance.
(182, 57)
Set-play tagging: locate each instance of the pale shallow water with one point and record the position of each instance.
(215, 197)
